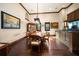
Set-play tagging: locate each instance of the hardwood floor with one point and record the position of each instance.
(51, 48)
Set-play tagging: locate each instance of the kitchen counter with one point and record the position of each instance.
(70, 39)
(66, 31)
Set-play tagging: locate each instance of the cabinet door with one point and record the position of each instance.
(68, 17)
(71, 16)
(75, 42)
(76, 14)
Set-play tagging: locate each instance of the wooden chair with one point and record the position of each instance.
(35, 41)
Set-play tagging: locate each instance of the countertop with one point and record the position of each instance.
(66, 31)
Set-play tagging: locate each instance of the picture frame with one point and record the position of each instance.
(31, 27)
(54, 25)
(9, 21)
(38, 27)
(47, 26)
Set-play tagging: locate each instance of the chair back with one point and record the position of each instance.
(35, 37)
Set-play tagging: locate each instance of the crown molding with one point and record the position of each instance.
(65, 7)
(45, 12)
(24, 8)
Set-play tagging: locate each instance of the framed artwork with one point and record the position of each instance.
(31, 27)
(47, 26)
(38, 27)
(54, 25)
(9, 21)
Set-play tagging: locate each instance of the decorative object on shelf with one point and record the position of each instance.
(72, 25)
(54, 25)
(47, 26)
(9, 21)
(65, 25)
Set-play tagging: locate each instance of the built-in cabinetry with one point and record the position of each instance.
(70, 39)
(73, 15)
(64, 37)
(70, 34)
(75, 42)
(73, 18)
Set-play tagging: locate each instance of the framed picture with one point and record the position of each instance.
(54, 25)
(38, 27)
(9, 21)
(47, 26)
(31, 27)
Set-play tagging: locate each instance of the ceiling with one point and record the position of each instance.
(44, 7)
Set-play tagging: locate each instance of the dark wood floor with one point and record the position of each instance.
(51, 48)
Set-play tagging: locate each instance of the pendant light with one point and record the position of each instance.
(37, 19)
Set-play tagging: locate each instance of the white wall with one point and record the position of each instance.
(63, 16)
(54, 17)
(9, 35)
